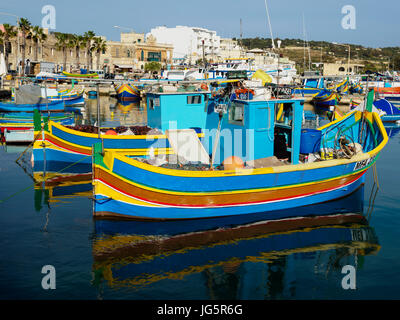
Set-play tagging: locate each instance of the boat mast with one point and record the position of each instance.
(269, 23)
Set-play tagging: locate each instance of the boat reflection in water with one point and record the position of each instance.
(243, 257)
(52, 186)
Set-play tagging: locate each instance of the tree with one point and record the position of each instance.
(89, 36)
(38, 37)
(152, 66)
(99, 45)
(5, 37)
(78, 42)
(62, 44)
(25, 27)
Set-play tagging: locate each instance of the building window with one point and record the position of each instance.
(153, 56)
(341, 69)
(128, 53)
(116, 52)
(52, 51)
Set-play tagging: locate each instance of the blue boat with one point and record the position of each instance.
(392, 113)
(56, 106)
(269, 172)
(311, 86)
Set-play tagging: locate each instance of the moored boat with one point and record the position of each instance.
(127, 92)
(52, 106)
(268, 179)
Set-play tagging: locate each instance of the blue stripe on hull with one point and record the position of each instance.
(110, 143)
(113, 206)
(226, 183)
(57, 155)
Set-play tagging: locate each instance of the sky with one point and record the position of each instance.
(376, 22)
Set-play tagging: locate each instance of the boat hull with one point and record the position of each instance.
(127, 92)
(109, 207)
(41, 107)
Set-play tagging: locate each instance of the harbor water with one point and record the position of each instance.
(237, 258)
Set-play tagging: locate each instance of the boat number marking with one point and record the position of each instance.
(363, 163)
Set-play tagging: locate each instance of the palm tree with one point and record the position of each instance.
(89, 36)
(25, 27)
(99, 45)
(77, 42)
(38, 36)
(62, 44)
(5, 37)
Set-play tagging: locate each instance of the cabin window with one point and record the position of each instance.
(194, 99)
(151, 103)
(236, 113)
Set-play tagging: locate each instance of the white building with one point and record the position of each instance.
(189, 42)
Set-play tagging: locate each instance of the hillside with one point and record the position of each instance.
(374, 59)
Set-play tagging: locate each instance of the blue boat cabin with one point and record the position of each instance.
(250, 129)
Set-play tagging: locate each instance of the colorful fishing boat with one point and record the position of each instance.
(343, 87)
(53, 106)
(310, 87)
(127, 91)
(356, 88)
(391, 113)
(64, 144)
(325, 99)
(21, 130)
(276, 172)
(80, 75)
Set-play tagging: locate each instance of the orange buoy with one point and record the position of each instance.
(233, 163)
(204, 86)
(111, 132)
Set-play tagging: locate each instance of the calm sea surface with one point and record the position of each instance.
(229, 258)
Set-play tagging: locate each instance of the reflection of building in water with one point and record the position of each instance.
(233, 258)
(127, 113)
(130, 113)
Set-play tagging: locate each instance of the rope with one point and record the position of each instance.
(374, 192)
(37, 136)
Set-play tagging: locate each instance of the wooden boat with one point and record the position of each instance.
(79, 75)
(138, 254)
(325, 99)
(127, 91)
(21, 130)
(70, 145)
(127, 187)
(311, 86)
(55, 106)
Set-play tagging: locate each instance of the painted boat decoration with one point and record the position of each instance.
(143, 254)
(55, 106)
(127, 91)
(325, 99)
(356, 88)
(343, 87)
(79, 75)
(127, 187)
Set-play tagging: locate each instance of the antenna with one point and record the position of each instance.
(269, 23)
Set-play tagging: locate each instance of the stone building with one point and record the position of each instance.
(133, 52)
